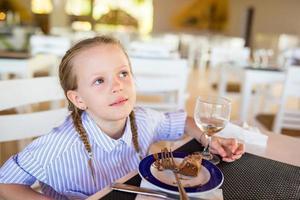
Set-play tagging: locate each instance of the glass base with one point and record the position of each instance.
(211, 157)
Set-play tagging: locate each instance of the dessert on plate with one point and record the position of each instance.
(189, 166)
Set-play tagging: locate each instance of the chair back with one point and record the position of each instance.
(163, 78)
(286, 117)
(289, 57)
(286, 41)
(155, 48)
(54, 45)
(25, 92)
(47, 52)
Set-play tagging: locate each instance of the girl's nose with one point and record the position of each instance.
(117, 85)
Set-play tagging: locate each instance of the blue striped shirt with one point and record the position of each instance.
(59, 160)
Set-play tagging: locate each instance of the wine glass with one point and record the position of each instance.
(211, 115)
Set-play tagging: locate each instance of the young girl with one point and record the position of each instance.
(105, 136)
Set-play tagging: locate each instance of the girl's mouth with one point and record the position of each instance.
(119, 102)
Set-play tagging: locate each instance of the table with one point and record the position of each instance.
(14, 62)
(251, 77)
(279, 148)
(24, 65)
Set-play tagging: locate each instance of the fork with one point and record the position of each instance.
(168, 162)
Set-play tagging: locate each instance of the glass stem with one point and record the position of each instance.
(206, 148)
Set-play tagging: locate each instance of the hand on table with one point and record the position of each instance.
(228, 148)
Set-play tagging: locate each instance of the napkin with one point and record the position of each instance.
(213, 195)
(245, 134)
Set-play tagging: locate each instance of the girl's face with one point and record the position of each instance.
(105, 84)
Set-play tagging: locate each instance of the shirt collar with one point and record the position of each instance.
(100, 138)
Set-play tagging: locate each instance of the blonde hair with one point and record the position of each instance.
(68, 81)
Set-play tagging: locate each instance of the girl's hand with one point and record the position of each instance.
(228, 148)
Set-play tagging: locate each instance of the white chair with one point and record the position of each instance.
(269, 92)
(218, 56)
(229, 64)
(45, 44)
(187, 48)
(262, 57)
(286, 117)
(286, 41)
(23, 92)
(289, 57)
(202, 52)
(162, 78)
(81, 35)
(230, 79)
(165, 46)
(46, 52)
(22, 127)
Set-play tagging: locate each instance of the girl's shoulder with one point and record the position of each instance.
(52, 145)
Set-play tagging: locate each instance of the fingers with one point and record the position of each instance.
(232, 158)
(223, 146)
(228, 159)
(240, 150)
(217, 148)
(228, 149)
(230, 144)
(236, 155)
(219, 152)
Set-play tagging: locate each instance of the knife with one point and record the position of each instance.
(139, 190)
(145, 191)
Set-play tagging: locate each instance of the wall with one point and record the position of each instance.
(163, 12)
(271, 16)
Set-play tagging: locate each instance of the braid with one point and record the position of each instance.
(134, 133)
(76, 116)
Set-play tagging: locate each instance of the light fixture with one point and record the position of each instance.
(2, 16)
(41, 6)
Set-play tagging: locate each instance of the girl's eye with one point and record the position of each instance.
(99, 81)
(123, 74)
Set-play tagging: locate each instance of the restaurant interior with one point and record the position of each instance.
(247, 51)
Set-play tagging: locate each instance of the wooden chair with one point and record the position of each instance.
(287, 119)
(161, 83)
(25, 92)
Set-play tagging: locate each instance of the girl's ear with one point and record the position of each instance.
(75, 98)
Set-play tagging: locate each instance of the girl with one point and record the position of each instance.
(104, 137)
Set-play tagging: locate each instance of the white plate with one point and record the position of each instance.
(209, 178)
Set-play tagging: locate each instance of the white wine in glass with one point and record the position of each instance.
(211, 116)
